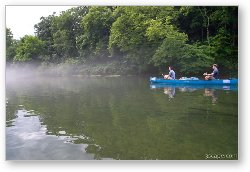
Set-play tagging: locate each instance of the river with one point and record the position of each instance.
(118, 118)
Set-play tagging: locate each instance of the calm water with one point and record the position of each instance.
(118, 118)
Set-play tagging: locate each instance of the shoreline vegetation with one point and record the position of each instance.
(122, 40)
(77, 70)
(82, 71)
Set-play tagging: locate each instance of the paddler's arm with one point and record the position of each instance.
(206, 74)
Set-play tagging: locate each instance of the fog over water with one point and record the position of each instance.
(15, 71)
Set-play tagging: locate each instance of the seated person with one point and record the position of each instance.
(171, 74)
(213, 75)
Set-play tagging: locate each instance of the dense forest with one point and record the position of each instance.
(132, 40)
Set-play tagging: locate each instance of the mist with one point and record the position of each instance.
(33, 70)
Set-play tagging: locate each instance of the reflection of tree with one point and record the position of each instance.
(125, 120)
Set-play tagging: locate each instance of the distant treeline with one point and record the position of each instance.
(140, 39)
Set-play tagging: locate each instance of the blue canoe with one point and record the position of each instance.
(194, 82)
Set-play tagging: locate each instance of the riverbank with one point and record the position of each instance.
(111, 69)
(105, 69)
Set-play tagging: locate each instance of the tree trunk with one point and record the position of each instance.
(208, 30)
(206, 21)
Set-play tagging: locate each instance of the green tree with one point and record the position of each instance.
(172, 43)
(136, 35)
(96, 30)
(171, 51)
(195, 59)
(196, 22)
(60, 33)
(9, 37)
(64, 39)
(29, 49)
(142, 38)
(215, 27)
(44, 32)
(11, 51)
(225, 41)
(11, 45)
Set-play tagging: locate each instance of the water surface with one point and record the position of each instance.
(118, 118)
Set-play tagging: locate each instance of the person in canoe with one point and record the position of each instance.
(214, 74)
(171, 74)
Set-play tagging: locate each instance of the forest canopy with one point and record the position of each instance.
(135, 39)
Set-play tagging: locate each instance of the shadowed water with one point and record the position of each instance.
(118, 118)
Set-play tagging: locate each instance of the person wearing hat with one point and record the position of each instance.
(214, 74)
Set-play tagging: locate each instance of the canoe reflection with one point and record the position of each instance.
(209, 91)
